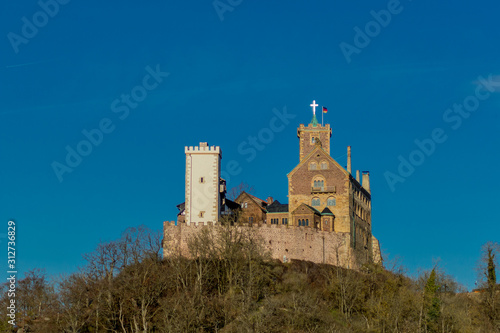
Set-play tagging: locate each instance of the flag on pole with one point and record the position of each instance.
(325, 110)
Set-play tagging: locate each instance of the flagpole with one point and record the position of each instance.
(322, 114)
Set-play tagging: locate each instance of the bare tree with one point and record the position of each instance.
(234, 192)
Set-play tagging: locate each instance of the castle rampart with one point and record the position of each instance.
(283, 242)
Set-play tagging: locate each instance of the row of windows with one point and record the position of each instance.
(322, 166)
(360, 211)
(284, 220)
(361, 196)
(319, 183)
(329, 202)
(303, 222)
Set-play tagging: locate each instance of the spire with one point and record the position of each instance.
(314, 121)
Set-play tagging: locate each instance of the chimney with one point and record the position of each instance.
(349, 159)
(357, 176)
(366, 181)
(269, 200)
(203, 144)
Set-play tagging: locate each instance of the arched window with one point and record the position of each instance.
(307, 222)
(250, 219)
(318, 182)
(316, 202)
(312, 166)
(324, 165)
(331, 201)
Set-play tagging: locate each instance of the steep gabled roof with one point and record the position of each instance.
(312, 209)
(277, 207)
(317, 149)
(262, 202)
(259, 202)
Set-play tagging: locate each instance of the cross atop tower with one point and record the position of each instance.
(314, 105)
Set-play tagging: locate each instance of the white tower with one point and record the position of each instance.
(203, 198)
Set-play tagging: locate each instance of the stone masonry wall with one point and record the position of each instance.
(283, 242)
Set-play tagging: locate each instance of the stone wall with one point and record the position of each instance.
(283, 242)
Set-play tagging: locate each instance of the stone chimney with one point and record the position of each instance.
(203, 144)
(349, 159)
(357, 176)
(366, 181)
(269, 200)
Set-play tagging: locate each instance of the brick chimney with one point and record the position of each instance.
(349, 159)
(357, 176)
(366, 181)
(269, 200)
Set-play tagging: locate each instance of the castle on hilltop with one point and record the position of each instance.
(327, 220)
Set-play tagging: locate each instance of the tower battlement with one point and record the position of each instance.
(202, 148)
(314, 127)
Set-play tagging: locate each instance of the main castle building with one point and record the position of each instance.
(327, 219)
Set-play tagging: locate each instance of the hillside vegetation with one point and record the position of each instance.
(231, 285)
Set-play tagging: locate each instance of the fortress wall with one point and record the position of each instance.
(283, 242)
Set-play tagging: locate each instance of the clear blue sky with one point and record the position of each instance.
(228, 69)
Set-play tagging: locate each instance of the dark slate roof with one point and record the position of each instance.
(180, 207)
(277, 207)
(232, 205)
(327, 211)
